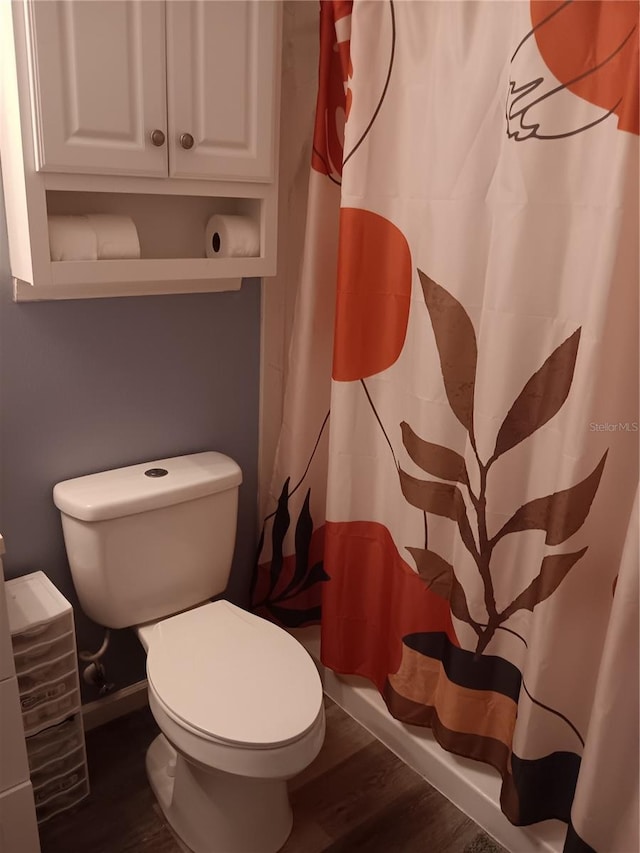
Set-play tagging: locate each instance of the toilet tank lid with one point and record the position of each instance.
(144, 487)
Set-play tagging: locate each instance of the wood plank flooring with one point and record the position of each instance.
(356, 796)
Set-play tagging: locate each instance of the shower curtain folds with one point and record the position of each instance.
(455, 490)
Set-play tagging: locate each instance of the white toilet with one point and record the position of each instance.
(237, 699)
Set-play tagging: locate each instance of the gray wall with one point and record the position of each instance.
(88, 385)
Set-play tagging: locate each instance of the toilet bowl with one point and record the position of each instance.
(238, 700)
(220, 766)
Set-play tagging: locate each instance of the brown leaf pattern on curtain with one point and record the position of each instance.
(434, 570)
(441, 499)
(456, 342)
(554, 569)
(440, 578)
(560, 514)
(459, 606)
(438, 498)
(541, 398)
(434, 458)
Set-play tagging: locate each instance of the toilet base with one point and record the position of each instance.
(216, 812)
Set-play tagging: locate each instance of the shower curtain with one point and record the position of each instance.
(455, 490)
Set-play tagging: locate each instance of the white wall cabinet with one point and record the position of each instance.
(108, 101)
(166, 111)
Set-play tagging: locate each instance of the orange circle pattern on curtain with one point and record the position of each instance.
(602, 37)
(373, 295)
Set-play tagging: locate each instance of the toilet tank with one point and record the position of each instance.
(150, 540)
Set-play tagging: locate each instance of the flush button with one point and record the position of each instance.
(156, 472)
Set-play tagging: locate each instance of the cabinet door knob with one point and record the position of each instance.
(186, 140)
(157, 137)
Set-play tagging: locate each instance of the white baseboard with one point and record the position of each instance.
(472, 786)
(115, 705)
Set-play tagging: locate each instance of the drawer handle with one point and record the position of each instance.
(186, 140)
(33, 699)
(157, 137)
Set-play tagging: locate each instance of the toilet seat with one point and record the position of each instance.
(233, 677)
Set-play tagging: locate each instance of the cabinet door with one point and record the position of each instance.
(222, 85)
(99, 85)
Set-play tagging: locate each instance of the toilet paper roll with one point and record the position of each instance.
(117, 236)
(72, 238)
(232, 237)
